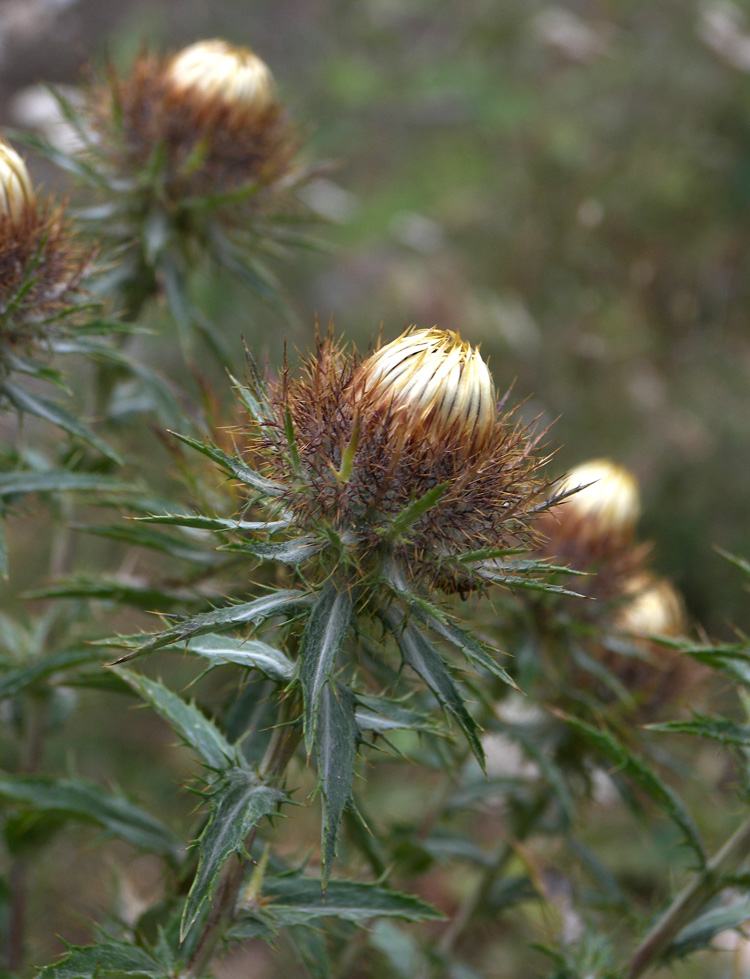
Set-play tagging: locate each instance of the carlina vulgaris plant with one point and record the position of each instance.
(195, 159)
(386, 483)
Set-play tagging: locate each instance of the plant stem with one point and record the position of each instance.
(688, 903)
(284, 740)
(502, 856)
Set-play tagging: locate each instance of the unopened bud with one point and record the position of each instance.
(217, 72)
(656, 608)
(606, 502)
(435, 384)
(16, 191)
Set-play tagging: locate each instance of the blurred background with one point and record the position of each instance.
(567, 183)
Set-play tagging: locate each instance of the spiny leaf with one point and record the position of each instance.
(716, 728)
(265, 607)
(213, 523)
(381, 714)
(191, 724)
(34, 404)
(636, 769)
(414, 510)
(124, 591)
(325, 632)
(13, 682)
(232, 466)
(250, 653)
(296, 900)
(143, 537)
(337, 737)
(108, 960)
(700, 932)
(57, 481)
(286, 552)
(76, 798)
(238, 802)
(424, 659)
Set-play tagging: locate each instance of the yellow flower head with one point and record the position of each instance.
(215, 71)
(433, 384)
(606, 502)
(655, 609)
(16, 191)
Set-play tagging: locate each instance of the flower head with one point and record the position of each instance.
(434, 385)
(606, 501)
(41, 263)
(17, 195)
(403, 454)
(655, 608)
(208, 113)
(219, 73)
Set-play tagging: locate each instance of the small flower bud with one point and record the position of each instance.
(16, 190)
(607, 503)
(434, 383)
(656, 608)
(217, 72)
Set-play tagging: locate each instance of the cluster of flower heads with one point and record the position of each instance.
(593, 529)
(209, 114)
(41, 264)
(416, 422)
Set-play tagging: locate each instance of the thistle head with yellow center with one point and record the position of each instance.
(41, 263)
(403, 455)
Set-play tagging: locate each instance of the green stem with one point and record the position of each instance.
(690, 901)
(284, 741)
(500, 860)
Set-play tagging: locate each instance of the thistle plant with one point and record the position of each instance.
(385, 614)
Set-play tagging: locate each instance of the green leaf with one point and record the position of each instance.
(152, 539)
(699, 933)
(237, 804)
(250, 653)
(75, 798)
(232, 466)
(13, 682)
(646, 779)
(124, 591)
(286, 552)
(213, 523)
(109, 960)
(186, 719)
(475, 652)
(404, 520)
(34, 404)
(58, 481)
(325, 632)
(382, 714)
(418, 653)
(717, 728)
(337, 738)
(297, 900)
(265, 607)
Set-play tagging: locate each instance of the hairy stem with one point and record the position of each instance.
(690, 901)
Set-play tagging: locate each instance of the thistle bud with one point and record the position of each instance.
(655, 609)
(434, 384)
(16, 191)
(606, 503)
(217, 72)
